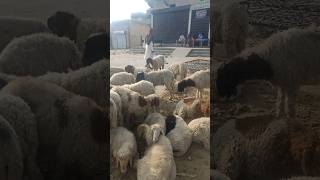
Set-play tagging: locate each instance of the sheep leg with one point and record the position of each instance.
(280, 102)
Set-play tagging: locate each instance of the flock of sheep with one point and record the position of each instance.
(146, 137)
(283, 147)
(53, 109)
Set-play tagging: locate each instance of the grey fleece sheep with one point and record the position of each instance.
(253, 158)
(37, 54)
(12, 27)
(279, 59)
(72, 129)
(89, 81)
(11, 163)
(20, 116)
(232, 27)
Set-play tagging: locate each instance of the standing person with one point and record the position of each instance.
(190, 40)
(149, 46)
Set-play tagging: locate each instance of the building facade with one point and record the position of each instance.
(128, 33)
(171, 18)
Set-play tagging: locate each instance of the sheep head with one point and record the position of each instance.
(64, 24)
(185, 83)
(240, 69)
(144, 131)
(129, 69)
(157, 131)
(124, 157)
(140, 76)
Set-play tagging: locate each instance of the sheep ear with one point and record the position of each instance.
(99, 125)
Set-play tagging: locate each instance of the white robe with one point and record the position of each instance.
(148, 51)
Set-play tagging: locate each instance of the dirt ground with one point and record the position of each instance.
(195, 164)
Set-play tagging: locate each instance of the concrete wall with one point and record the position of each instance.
(137, 30)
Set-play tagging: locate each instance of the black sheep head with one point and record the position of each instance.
(64, 24)
(149, 61)
(240, 69)
(140, 76)
(185, 83)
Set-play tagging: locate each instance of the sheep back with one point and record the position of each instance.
(37, 54)
(15, 27)
(200, 128)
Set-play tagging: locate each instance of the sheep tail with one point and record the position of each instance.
(145, 131)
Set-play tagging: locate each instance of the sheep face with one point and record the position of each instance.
(140, 76)
(129, 69)
(185, 83)
(124, 159)
(63, 24)
(240, 69)
(170, 123)
(149, 61)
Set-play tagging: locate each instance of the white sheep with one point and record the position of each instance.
(180, 70)
(232, 24)
(199, 80)
(114, 70)
(77, 29)
(117, 100)
(156, 62)
(143, 87)
(122, 78)
(11, 162)
(72, 129)
(154, 102)
(113, 113)
(157, 162)
(200, 128)
(123, 147)
(20, 116)
(13, 27)
(162, 77)
(37, 54)
(179, 134)
(89, 81)
(188, 111)
(161, 61)
(134, 106)
(133, 70)
(278, 60)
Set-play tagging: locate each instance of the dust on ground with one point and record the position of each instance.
(195, 164)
